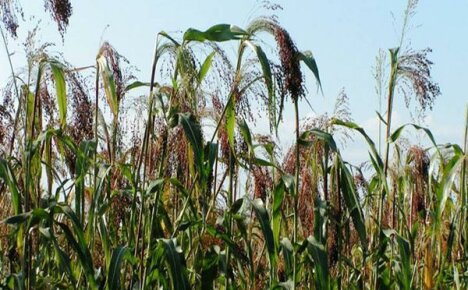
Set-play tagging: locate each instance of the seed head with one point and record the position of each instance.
(9, 10)
(61, 11)
(262, 182)
(290, 66)
(419, 163)
(414, 68)
(306, 202)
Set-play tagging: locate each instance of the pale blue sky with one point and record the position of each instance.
(345, 37)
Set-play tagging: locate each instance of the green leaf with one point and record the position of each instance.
(398, 131)
(226, 239)
(369, 141)
(61, 90)
(319, 134)
(174, 260)
(173, 42)
(217, 33)
(113, 274)
(205, 67)
(136, 84)
(230, 120)
(308, 58)
(245, 132)
(64, 261)
(193, 133)
(444, 188)
(381, 118)
(288, 252)
(352, 203)
(278, 197)
(320, 258)
(9, 178)
(267, 76)
(396, 134)
(17, 219)
(263, 162)
(109, 84)
(236, 206)
(262, 215)
(288, 181)
(155, 186)
(405, 273)
(84, 257)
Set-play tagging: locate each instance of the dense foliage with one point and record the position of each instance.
(174, 189)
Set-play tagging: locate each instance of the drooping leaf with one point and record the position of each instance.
(61, 90)
(352, 203)
(217, 33)
(396, 134)
(193, 133)
(319, 134)
(267, 76)
(136, 84)
(308, 58)
(444, 188)
(369, 141)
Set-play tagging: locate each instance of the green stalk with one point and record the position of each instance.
(229, 223)
(463, 182)
(91, 221)
(143, 160)
(340, 236)
(391, 90)
(28, 186)
(154, 210)
(296, 189)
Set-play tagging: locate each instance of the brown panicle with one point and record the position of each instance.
(415, 69)
(61, 11)
(290, 66)
(222, 134)
(262, 182)
(113, 58)
(6, 118)
(419, 162)
(306, 202)
(81, 125)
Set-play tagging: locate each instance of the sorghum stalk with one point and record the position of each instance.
(296, 189)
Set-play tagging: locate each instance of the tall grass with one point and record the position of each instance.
(176, 191)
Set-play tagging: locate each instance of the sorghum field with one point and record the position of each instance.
(176, 190)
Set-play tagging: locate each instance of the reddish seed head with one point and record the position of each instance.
(262, 182)
(61, 11)
(290, 65)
